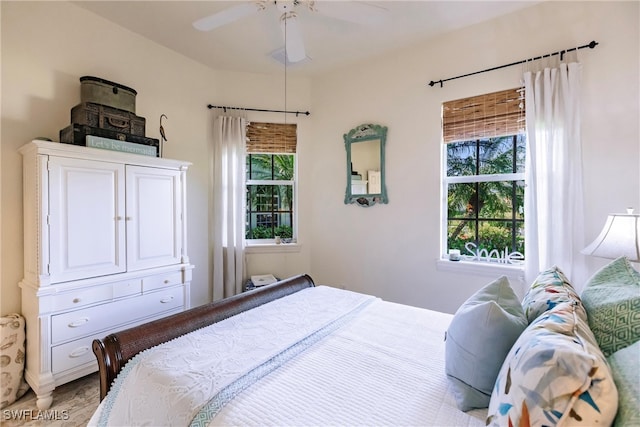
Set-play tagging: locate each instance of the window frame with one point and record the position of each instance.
(514, 271)
(261, 245)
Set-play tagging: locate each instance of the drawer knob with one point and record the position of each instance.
(166, 299)
(76, 300)
(80, 351)
(79, 322)
(166, 281)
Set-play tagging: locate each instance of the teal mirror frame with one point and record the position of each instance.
(359, 134)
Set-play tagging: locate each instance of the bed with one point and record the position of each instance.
(326, 356)
(293, 353)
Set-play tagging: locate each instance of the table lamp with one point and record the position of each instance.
(619, 237)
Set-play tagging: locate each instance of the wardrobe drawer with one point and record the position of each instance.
(161, 281)
(80, 323)
(127, 288)
(81, 297)
(79, 352)
(72, 354)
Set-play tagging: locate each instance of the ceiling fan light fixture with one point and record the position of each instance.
(279, 56)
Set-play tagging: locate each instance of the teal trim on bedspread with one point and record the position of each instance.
(116, 386)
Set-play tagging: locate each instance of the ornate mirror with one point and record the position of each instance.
(365, 165)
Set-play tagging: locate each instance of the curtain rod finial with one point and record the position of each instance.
(593, 44)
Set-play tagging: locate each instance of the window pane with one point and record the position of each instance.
(460, 232)
(501, 236)
(520, 152)
(519, 198)
(520, 237)
(259, 166)
(269, 211)
(496, 155)
(496, 199)
(283, 166)
(461, 158)
(462, 200)
(486, 156)
(270, 166)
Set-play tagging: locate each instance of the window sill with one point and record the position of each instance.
(515, 272)
(269, 248)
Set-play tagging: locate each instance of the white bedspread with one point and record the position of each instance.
(365, 362)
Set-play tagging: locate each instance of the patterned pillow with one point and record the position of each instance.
(479, 337)
(550, 288)
(625, 366)
(12, 351)
(612, 300)
(555, 374)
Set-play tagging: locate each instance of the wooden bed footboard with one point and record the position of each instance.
(116, 349)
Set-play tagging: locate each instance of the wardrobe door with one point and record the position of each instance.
(154, 217)
(86, 218)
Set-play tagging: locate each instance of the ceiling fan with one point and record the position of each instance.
(351, 11)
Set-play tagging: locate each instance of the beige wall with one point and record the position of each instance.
(387, 250)
(47, 46)
(391, 250)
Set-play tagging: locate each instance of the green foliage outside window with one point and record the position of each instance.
(485, 210)
(269, 205)
(283, 231)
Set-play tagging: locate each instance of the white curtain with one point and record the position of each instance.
(228, 157)
(554, 196)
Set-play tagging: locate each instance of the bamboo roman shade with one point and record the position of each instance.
(271, 137)
(484, 116)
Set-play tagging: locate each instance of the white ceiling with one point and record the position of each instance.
(246, 44)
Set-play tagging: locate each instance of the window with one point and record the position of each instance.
(270, 181)
(483, 180)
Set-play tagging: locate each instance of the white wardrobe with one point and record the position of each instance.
(104, 249)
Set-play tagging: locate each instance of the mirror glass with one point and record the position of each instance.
(365, 165)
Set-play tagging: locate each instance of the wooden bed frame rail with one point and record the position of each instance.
(116, 349)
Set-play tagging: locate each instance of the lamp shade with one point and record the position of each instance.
(619, 237)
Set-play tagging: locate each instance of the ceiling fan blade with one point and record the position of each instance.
(356, 12)
(228, 16)
(293, 37)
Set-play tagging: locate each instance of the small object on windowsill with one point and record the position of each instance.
(263, 280)
(278, 240)
(454, 255)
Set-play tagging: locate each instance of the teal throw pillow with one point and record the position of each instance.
(479, 337)
(612, 300)
(625, 366)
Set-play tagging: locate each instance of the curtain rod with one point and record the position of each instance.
(225, 108)
(561, 53)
